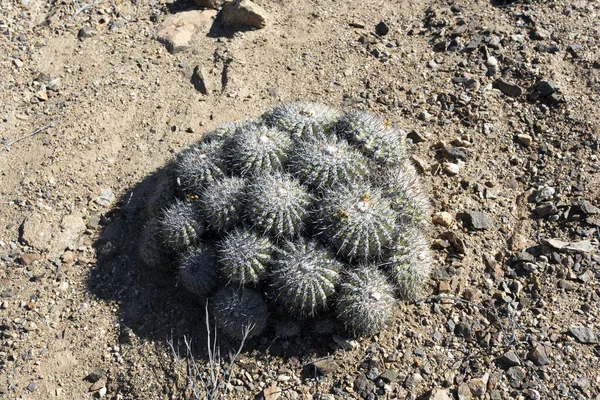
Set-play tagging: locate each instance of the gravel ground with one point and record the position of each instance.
(500, 99)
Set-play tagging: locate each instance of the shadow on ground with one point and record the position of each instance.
(150, 303)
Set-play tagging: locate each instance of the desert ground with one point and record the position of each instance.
(500, 103)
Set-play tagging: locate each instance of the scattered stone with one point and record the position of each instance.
(545, 209)
(85, 33)
(544, 48)
(525, 139)
(516, 375)
(567, 285)
(28, 258)
(539, 356)
(492, 62)
(72, 226)
(510, 359)
(477, 220)
(346, 344)
(443, 218)
(245, 13)
(106, 197)
(588, 208)
(584, 246)
(540, 34)
(416, 137)
(382, 29)
(198, 80)
(440, 394)
(209, 3)
(363, 386)
(36, 232)
(443, 287)
(421, 164)
(389, 375)
(464, 392)
(478, 386)
(413, 381)
(583, 334)
(509, 89)
(95, 375)
(18, 63)
(272, 392)
(178, 30)
(96, 386)
(451, 168)
(543, 193)
(114, 25)
(326, 367)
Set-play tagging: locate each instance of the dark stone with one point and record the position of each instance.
(545, 209)
(363, 386)
(453, 154)
(509, 359)
(326, 367)
(477, 220)
(389, 376)
(588, 207)
(415, 136)
(539, 356)
(516, 375)
(85, 32)
(382, 29)
(546, 88)
(463, 330)
(95, 375)
(542, 48)
(509, 89)
(372, 373)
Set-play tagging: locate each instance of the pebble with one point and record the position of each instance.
(326, 367)
(272, 392)
(516, 375)
(18, 63)
(477, 220)
(243, 12)
(451, 168)
(382, 29)
(85, 33)
(583, 334)
(95, 375)
(544, 193)
(492, 62)
(106, 197)
(509, 89)
(539, 356)
(524, 139)
(36, 232)
(363, 386)
(509, 359)
(440, 394)
(389, 376)
(443, 218)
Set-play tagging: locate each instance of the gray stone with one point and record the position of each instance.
(95, 375)
(389, 376)
(363, 386)
(477, 220)
(544, 193)
(509, 89)
(588, 207)
(106, 197)
(583, 334)
(539, 356)
(36, 232)
(326, 366)
(510, 359)
(85, 33)
(516, 375)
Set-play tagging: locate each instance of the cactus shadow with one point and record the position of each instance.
(150, 304)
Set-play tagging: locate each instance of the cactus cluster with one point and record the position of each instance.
(303, 213)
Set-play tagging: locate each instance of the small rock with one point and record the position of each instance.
(464, 392)
(178, 30)
(584, 246)
(540, 33)
(583, 334)
(198, 80)
(443, 218)
(106, 197)
(272, 392)
(539, 356)
(566, 285)
(416, 137)
(546, 88)
(516, 375)
(389, 375)
(478, 386)
(440, 394)
(95, 375)
(36, 232)
(545, 209)
(28, 258)
(326, 367)
(382, 29)
(421, 164)
(346, 344)
(243, 12)
(363, 386)
(114, 25)
(492, 62)
(96, 386)
(209, 3)
(451, 168)
(477, 220)
(543, 193)
(413, 381)
(18, 63)
(509, 89)
(524, 139)
(85, 33)
(444, 287)
(31, 387)
(102, 392)
(509, 359)
(588, 208)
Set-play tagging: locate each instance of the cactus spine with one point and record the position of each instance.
(222, 203)
(179, 226)
(244, 257)
(239, 309)
(198, 270)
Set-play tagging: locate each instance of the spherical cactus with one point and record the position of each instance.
(179, 226)
(277, 205)
(356, 221)
(198, 270)
(239, 310)
(222, 203)
(150, 249)
(401, 185)
(304, 277)
(304, 204)
(365, 301)
(244, 257)
(198, 166)
(303, 119)
(324, 161)
(287, 329)
(409, 263)
(373, 137)
(258, 149)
